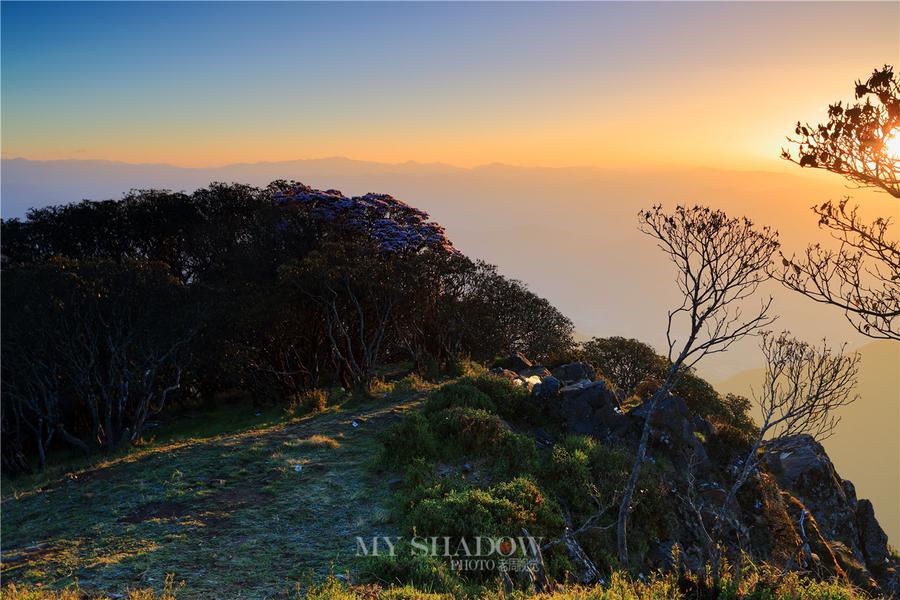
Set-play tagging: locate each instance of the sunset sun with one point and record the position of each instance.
(892, 144)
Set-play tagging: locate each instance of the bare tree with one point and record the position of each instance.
(91, 350)
(860, 143)
(861, 276)
(856, 141)
(721, 262)
(357, 294)
(803, 387)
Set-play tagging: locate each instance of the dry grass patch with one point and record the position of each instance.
(320, 441)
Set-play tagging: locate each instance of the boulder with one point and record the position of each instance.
(504, 373)
(516, 362)
(873, 540)
(595, 393)
(575, 371)
(675, 429)
(536, 370)
(668, 410)
(548, 387)
(588, 408)
(530, 382)
(802, 467)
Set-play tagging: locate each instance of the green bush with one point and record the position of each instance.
(468, 429)
(465, 367)
(408, 567)
(460, 394)
(516, 454)
(626, 362)
(500, 510)
(703, 400)
(510, 399)
(728, 443)
(568, 472)
(408, 440)
(410, 384)
(586, 474)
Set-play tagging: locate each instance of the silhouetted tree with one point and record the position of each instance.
(721, 262)
(861, 276)
(287, 286)
(855, 142)
(626, 362)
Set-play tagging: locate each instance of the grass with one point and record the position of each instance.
(235, 504)
(619, 587)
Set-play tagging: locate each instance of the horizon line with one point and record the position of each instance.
(410, 162)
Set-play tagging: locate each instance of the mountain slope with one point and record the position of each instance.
(230, 515)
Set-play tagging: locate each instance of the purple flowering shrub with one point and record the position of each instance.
(394, 226)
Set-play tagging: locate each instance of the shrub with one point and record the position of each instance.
(728, 443)
(470, 429)
(516, 454)
(465, 367)
(568, 472)
(410, 384)
(408, 567)
(586, 475)
(501, 510)
(408, 440)
(309, 401)
(510, 399)
(626, 362)
(458, 394)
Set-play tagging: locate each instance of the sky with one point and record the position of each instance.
(600, 84)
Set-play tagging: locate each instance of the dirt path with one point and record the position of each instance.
(245, 515)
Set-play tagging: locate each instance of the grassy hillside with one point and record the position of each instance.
(229, 514)
(238, 504)
(866, 448)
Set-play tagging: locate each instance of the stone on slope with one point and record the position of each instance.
(576, 371)
(536, 370)
(516, 362)
(504, 373)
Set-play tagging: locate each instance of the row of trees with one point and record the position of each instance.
(115, 309)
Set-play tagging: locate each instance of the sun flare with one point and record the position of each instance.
(892, 145)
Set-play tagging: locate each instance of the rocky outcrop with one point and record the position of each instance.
(548, 388)
(802, 468)
(574, 372)
(588, 407)
(873, 541)
(810, 517)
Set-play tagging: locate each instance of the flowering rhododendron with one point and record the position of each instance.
(394, 226)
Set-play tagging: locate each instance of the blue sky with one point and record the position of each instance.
(541, 83)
